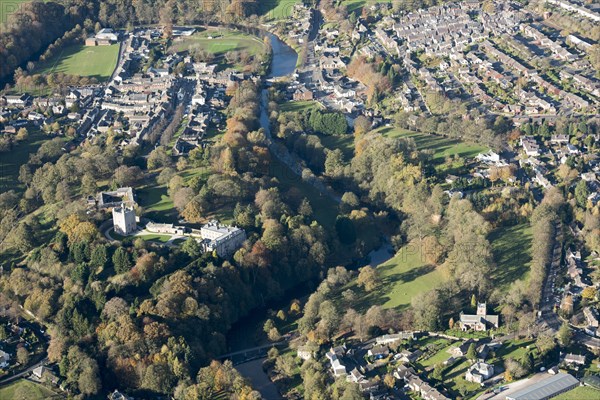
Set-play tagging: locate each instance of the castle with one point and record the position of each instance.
(124, 220)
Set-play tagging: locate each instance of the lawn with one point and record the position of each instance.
(442, 147)
(155, 238)
(343, 142)
(25, 390)
(150, 237)
(439, 357)
(157, 203)
(580, 393)
(514, 349)
(8, 7)
(297, 106)
(201, 172)
(511, 247)
(277, 9)
(11, 161)
(357, 5)
(219, 41)
(454, 379)
(94, 61)
(403, 277)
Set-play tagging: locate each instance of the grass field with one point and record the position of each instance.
(219, 41)
(357, 5)
(439, 357)
(403, 277)
(580, 393)
(454, 379)
(157, 202)
(97, 62)
(343, 142)
(514, 349)
(442, 147)
(201, 172)
(156, 238)
(25, 390)
(8, 7)
(277, 9)
(150, 237)
(511, 247)
(296, 106)
(11, 161)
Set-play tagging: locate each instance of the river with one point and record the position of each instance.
(284, 58)
(242, 334)
(283, 64)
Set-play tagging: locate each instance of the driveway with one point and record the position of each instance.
(23, 373)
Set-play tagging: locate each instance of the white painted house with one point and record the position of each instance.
(222, 238)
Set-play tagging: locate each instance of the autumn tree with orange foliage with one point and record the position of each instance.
(78, 230)
(243, 147)
(218, 379)
(364, 72)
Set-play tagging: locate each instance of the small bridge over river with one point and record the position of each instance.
(253, 353)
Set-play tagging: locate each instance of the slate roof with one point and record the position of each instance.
(546, 388)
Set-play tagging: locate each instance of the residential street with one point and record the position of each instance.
(549, 299)
(22, 374)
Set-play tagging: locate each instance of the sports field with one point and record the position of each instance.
(277, 9)
(94, 61)
(219, 41)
